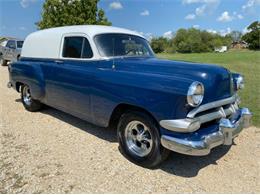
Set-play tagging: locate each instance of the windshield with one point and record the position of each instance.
(19, 44)
(114, 44)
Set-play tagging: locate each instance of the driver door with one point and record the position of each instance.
(68, 84)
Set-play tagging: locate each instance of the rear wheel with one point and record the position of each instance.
(139, 139)
(28, 102)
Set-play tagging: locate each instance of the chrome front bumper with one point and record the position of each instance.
(227, 131)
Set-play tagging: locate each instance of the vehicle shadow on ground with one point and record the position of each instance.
(107, 134)
(176, 164)
(189, 166)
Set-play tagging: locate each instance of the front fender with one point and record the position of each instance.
(162, 96)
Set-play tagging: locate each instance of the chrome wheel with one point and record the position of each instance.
(138, 138)
(27, 96)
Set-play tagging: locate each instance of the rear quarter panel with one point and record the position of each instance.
(31, 74)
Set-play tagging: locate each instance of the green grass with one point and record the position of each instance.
(244, 62)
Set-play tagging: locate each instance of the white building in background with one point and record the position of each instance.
(221, 49)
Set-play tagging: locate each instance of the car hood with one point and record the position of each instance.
(216, 79)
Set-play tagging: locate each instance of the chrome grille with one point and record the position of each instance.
(215, 110)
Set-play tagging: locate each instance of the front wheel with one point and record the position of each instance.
(139, 140)
(29, 103)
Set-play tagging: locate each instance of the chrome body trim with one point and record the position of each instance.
(181, 125)
(224, 136)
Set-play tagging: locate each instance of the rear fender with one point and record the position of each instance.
(31, 75)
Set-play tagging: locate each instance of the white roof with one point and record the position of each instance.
(90, 30)
(47, 43)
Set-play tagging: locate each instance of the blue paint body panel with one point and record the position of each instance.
(91, 90)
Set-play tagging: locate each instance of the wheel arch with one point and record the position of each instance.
(29, 74)
(123, 108)
(18, 86)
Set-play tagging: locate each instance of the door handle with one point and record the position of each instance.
(58, 61)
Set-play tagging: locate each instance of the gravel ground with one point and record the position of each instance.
(53, 152)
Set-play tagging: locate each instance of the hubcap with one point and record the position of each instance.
(138, 138)
(27, 96)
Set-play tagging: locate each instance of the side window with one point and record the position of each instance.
(11, 44)
(72, 47)
(19, 44)
(76, 47)
(87, 51)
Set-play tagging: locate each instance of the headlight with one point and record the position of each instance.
(195, 94)
(239, 82)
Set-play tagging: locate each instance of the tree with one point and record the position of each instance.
(236, 36)
(181, 42)
(71, 12)
(192, 41)
(207, 39)
(195, 40)
(216, 42)
(159, 44)
(171, 47)
(227, 40)
(253, 36)
(101, 19)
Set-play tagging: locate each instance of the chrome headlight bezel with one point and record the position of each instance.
(239, 82)
(195, 94)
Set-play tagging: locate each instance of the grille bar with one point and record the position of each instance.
(220, 113)
(212, 105)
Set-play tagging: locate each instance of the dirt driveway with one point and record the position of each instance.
(51, 151)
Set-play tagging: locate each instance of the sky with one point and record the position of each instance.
(151, 18)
